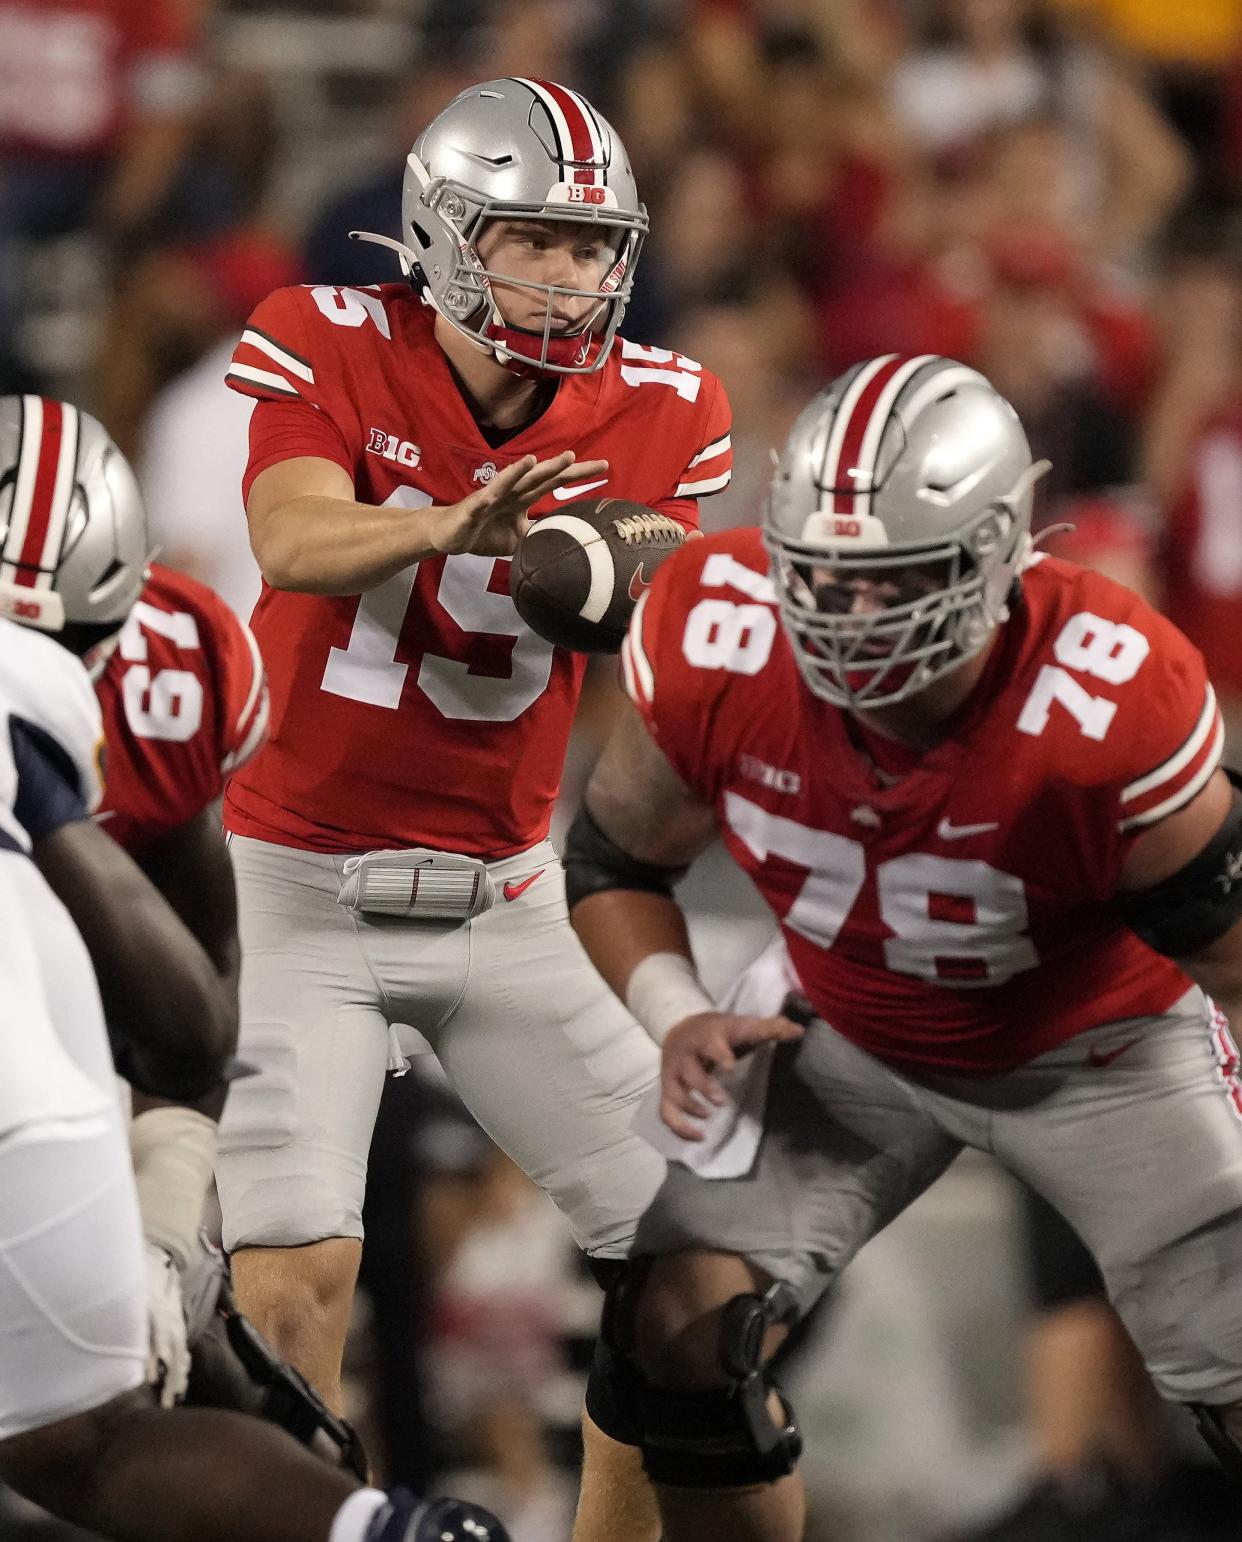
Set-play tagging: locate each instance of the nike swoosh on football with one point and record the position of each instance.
(514, 891)
(575, 489)
(948, 831)
(638, 584)
(1103, 1057)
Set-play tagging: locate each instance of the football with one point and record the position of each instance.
(578, 572)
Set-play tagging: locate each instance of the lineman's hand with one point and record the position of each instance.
(492, 521)
(698, 1048)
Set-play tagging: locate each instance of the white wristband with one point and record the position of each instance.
(173, 1151)
(663, 991)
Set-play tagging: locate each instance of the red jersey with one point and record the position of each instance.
(425, 712)
(956, 915)
(184, 703)
(73, 71)
(1202, 555)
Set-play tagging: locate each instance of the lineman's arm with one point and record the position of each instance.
(639, 829)
(310, 534)
(1181, 890)
(174, 1145)
(190, 866)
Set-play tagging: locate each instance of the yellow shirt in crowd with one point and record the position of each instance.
(1201, 32)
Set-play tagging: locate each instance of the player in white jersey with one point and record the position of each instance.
(80, 1432)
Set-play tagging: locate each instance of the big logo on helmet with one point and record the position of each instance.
(843, 525)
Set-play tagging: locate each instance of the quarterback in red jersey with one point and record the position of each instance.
(981, 791)
(396, 885)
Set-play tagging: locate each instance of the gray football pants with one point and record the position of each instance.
(543, 1055)
(1133, 1131)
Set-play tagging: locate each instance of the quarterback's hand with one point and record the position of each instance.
(492, 521)
(699, 1047)
(168, 1355)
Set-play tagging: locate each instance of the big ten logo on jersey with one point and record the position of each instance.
(399, 451)
(775, 777)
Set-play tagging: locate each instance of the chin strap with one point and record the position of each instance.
(513, 342)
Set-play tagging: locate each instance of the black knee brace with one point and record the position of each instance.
(612, 1381)
(1218, 1440)
(725, 1437)
(232, 1367)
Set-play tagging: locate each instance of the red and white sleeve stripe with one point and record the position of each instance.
(262, 367)
(637, 675)
(250, 730)
(709, 471)
(47, 456)
(1179, 778)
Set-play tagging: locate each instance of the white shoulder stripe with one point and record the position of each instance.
(1184, 795)
(1180, 758)
(627, 672)
(253, 740)
(698, 489)
(718, 447)
(643, 672)
(256, 676)
(281, 356)
(262, 377)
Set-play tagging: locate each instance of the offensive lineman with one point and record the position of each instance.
(79, 1432)
(401, 436)
(981, 791)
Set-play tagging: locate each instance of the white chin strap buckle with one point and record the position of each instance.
(418, 884)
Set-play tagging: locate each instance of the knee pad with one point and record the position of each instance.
(1218, 1440)
(725, 1437)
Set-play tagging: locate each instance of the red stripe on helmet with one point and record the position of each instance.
(31, 557)
(841, 478)
(581, 142)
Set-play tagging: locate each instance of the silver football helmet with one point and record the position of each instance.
(519, 149)
(898, 520)
(73, 529)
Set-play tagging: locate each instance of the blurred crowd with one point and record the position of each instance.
(1048, 189)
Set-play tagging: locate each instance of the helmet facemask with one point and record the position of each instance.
(874, 623)
(467, 298)
(471, 304)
